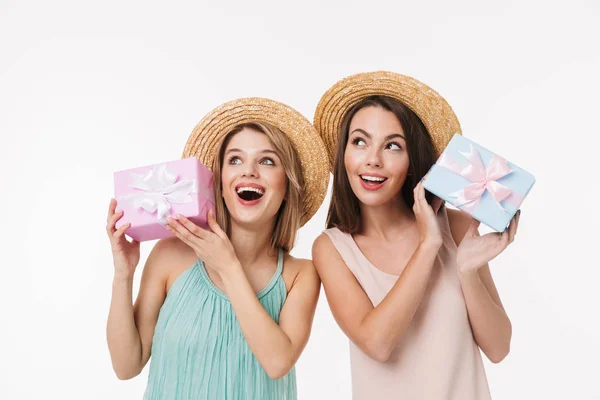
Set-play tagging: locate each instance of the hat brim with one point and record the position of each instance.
(435, 113)
(204, 140)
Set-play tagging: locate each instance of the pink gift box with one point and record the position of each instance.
(148, 195)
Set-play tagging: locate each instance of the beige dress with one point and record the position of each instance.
(437, 358)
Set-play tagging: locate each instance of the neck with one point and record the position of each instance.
(250, 242)
(385, 220)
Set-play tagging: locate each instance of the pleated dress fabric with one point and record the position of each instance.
(199, 351)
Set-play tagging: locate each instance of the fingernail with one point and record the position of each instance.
(519, 212)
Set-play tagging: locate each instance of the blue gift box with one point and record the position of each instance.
(479, 182)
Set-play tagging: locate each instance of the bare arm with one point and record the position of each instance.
(376, 330)
(276, 347)
(490, 323)
(130, 328)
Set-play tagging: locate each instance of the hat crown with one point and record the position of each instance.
(433, 110)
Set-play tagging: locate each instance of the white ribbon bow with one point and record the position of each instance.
(159, 190)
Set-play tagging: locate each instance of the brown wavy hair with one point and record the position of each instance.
(344, 209)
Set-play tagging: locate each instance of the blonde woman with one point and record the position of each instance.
(226, 312)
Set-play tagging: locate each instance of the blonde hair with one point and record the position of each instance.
(287, 220)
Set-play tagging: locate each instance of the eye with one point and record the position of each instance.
(235, 160)
(393, 146)
(358, 142)
(267, 161)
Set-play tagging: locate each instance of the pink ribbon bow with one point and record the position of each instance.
(481, 178)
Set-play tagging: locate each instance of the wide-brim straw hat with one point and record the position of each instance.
(435, 113)
(207, 135)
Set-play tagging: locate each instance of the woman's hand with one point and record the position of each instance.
(126, 254)
(213, 247)
(426, 215)
(476, 251)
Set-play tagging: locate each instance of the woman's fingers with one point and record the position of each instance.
(176, 226)
(182, 232)
(421, 200)
(192, 227)
(512, 228)
(111, 208)
(421, 192)
(214, 225)
(111, 212)
(187, 237)
(416, 204)
(504, 237)
(112, 222)
(121, 231)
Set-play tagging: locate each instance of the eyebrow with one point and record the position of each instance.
(388, 137)
(236, 150)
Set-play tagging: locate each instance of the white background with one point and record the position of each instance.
(87, 88)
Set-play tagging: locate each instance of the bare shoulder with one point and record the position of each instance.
(459, 224)
(297, 269)
(170, 251)
(323, 246)
(325, 254)
(169, 258)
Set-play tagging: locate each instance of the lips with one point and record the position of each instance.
(372, 181)
(249, 193)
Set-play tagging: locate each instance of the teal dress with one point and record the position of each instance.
(199, 351)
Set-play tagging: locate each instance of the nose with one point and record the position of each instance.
(373, 158)
(250, 170)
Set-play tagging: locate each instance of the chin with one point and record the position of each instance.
(251, 216)
(247, 218)
(377, 198)
(253, 221)
(374, 201)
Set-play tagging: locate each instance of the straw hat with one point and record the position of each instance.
(430, 107)
(207, 135)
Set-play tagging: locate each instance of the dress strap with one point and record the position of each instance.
(275, 277)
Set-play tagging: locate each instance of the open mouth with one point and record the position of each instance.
(373, 180)
(248, 193)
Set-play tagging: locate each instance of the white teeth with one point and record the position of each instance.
(250, 189)
(372, 178)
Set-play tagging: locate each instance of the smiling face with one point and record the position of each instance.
(258, 182)
(376, 159)
(253, 178)
(383, 151)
